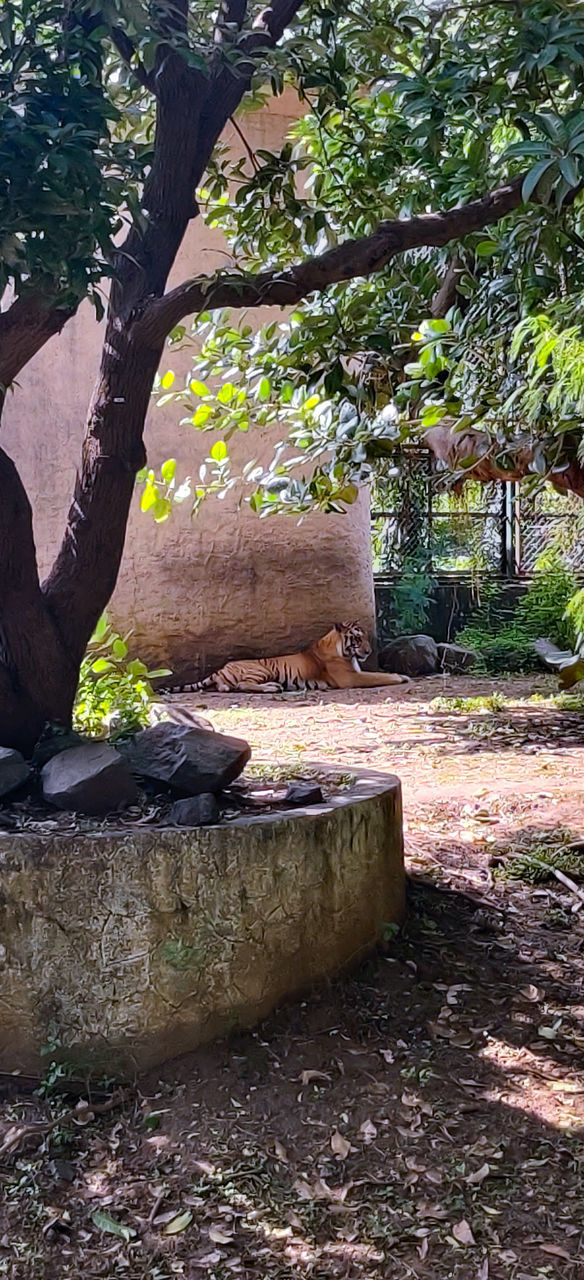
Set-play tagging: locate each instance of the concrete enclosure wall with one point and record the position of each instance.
(128, 948)
(194, 592)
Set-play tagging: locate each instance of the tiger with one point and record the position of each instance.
(332, 663)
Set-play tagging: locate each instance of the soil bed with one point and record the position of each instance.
(421, 1118)
(262, 789)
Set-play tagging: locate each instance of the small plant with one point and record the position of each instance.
(506, 642)
(489, 702)
(538, 865)
(115, 693)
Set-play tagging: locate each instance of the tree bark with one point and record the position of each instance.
(353, 258)
(38, 674)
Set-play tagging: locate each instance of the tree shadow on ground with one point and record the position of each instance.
(421, 1116)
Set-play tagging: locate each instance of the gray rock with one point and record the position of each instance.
(300, 793)
(13, 770)
(92, 779)
(53, 742)
(195, 811)
(410, 656)
(454, 657)
(189, 761)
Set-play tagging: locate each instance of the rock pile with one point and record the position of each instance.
(190, 765)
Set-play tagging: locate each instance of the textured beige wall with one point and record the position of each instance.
(193, 591)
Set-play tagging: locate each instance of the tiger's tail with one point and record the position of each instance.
(207, 683)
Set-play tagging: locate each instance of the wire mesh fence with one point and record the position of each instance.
(417, 522)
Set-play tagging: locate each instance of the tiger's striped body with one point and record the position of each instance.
(331, 663)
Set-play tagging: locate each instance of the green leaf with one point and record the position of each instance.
(199, 388)
(202, 415)
(105, 1222)
(119, 649)
(226, 393)
(218, 451)
(569, 170)
(100, 665)
(264, 389)
(100, 629)
(162, 510)
(486, 248)
(149, 497)
(349, 494)
(534, 177)
(167, 380)
(168, 470)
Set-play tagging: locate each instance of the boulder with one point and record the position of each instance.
(455, 658)
(410, 656)
(301, 793)
(195, 811)
(13, 770)
(189, 761)
(93, 779)
(52, 742)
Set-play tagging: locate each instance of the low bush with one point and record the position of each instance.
(546, 610)
(115, 694)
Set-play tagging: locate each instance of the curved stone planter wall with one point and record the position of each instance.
(128, 948)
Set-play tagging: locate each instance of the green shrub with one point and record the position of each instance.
(412, 598)
(114, 694)
(505, 641)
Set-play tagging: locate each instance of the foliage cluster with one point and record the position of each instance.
(506, 640)
(115, 692)
(469, 99)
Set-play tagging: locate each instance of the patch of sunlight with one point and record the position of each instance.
(527, 1085)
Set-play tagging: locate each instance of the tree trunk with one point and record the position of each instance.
(38, 674)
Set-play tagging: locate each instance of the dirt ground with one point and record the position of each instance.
(422, 1117)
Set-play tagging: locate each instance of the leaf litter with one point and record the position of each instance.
(434, 1132)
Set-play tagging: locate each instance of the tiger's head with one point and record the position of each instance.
(354, 642)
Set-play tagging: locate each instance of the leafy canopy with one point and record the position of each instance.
(408, 109)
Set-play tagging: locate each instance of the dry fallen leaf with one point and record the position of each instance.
(483, 1271)
(178, 1223)
(303, 1189)
(368, 1131)
(387, 1056)
(530, 993)
(462, 1232)
(218, 1236)
(280, 1152)
(340, 1146)
(423, 1248)
(306, 1076)
(479, 1175)
(556, 1251)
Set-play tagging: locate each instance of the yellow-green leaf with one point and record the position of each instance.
(106, 1223)
(149, 497)
(167, 380)
(218, 451)
(180, 1222)
(201, 415)
(168, 470)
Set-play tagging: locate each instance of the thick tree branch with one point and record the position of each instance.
(232, 78)
(230, 19)
(446, 296)
(345, 262)
(127, 51)
(473, 455)
(24, 328)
